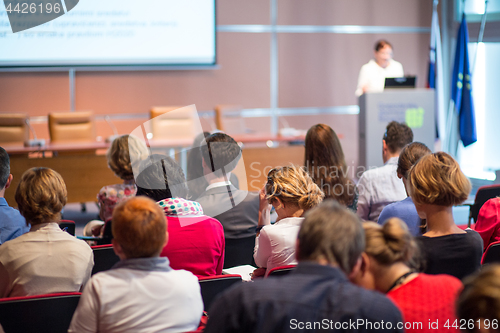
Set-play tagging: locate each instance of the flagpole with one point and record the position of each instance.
(480, 37)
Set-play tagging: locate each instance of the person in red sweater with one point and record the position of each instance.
(488, 222)
(196, 241)
(426, 301)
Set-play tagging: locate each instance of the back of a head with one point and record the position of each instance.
(220, 153)
(480, 299)
(41, 195)
(324, 161)
(194, 167)
(333, 233)
(389, 243)
(410, 154)
(292, 185)
(139, 226)
(162, 178)
(436, 179)
(397, 135)
(4, 168)
(125, 153)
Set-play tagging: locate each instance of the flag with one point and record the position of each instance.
(435, 74)
(461, 90)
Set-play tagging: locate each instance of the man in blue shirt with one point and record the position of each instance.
(12, 224)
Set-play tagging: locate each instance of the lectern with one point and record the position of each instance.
(415, 107)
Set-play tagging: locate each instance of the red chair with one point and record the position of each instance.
(281, 270)
(483, 194)
(492, 254)
(104, 258)
(211, 286)
(49, 313)
(68, 226)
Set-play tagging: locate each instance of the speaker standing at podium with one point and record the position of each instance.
(372, 75)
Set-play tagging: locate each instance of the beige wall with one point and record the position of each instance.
(315, 70)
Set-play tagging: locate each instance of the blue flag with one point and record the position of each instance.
(461, 90)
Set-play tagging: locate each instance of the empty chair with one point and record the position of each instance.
(211, 286)
(49, 313)
(71, 127)
(174, 122)
(13, 129)
(228, 119)
(492, 254)
(239, 251)
(104, 258)
(281, 270)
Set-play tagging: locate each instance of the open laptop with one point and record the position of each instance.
(400, 82)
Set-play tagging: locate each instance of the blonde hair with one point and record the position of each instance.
(293, 185)
(389, 243)
(480, 298)
(139, 226)
(125, 154)
(41, 195)
(436, 179)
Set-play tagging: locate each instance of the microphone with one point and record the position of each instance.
(113, 127)
(35, 142)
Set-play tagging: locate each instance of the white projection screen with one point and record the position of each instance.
(112, 33)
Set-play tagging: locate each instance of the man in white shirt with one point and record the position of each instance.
(141, 293)
(372, 75)
(381, 186)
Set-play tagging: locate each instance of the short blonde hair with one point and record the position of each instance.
(41, 195)
(139, 226)
(436, 179)
(293, 185)
(480, 298)
(125, 153)
(389, 243)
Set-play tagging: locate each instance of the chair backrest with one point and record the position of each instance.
(50, 313)
(239, 251)
(228, 119)
(281, 270)
(72, 126)
(211, 286)
(68, 226)
(180, 124)
(483, 194)
(13, 129)
(104, 258)
(492, 253)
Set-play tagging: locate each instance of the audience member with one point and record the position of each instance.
(317, 295)
(141, 293)
(125, 154)
(12, 224)
(405, 209)
(436, 185)
(292, 193)
(325, 163)
(236, 209)
(422, 298)
(380, 186)
(45, 259)
(197, 241)
(488, 222)
(478, 306)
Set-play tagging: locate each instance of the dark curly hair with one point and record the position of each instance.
(397, 135)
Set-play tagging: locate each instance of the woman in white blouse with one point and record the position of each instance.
(291, 192)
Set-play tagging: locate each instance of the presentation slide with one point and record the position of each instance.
(111, 32)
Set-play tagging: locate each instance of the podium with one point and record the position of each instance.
(415, 107)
